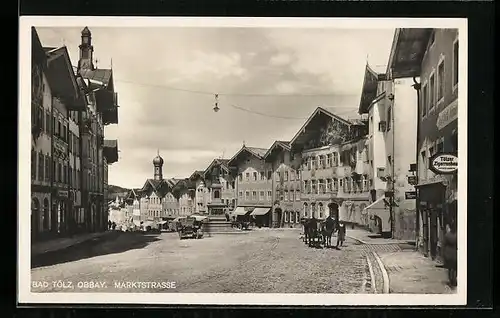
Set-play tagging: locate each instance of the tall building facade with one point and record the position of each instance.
(392, 118)
(332, 153)
(286, 185)
(68, 164)
(431, 57)
(97, 153)
(253, 185)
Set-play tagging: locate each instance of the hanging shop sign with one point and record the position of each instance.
(443, 163)
(409, 195)
(412, 180)
(62, 193)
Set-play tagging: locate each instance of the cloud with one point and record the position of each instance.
(280, 59)
(166, 79)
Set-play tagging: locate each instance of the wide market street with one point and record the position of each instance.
(259, 261)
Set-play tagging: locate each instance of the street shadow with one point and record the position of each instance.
(118, 242)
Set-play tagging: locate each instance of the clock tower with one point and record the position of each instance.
(86, 51)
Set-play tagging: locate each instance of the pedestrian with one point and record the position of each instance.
(114, 225)
(109, 224)
(330, 228)
(227, 217)
(341, 234)
(450, 252)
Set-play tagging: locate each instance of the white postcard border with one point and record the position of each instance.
(25, 295)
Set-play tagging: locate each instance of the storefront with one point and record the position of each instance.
(260, 216)
(60, 211)
(436, 199)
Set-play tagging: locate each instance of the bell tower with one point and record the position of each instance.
(158, 167)
(86, 51)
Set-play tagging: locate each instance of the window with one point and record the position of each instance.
(322, 162)
(341, 183)
(389, 118)
(233, 185)
(440, 146)
(240, 177)
(335, 159)
(262, 175)
(286, 175)
(424, 100)
(254, 195)
(309, 163)
(306, 210)
(255, 176)
(269, 175)
(41, 167)
(440, 81)
(47, 122)
(329, 160)
(320, 206)
(432, 89)
(286, 195)
(247, 176)
(321, 186)
(262, 195)
(314, 189)
(292, 175)
(424, 164)
(33, 165)
(47, 168)
(247, 195)
(455, 63)
(269, 195)
(297, 195)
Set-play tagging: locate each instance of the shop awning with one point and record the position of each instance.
(198, 217)
(240, 211)
(260, 211)
(379, 204)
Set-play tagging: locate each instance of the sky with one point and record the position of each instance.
(167, 78)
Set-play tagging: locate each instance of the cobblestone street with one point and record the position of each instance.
(257, 262)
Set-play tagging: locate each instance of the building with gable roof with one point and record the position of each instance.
(219, 181)
(392, 150)
(253, 185)
(286, 185)
(55, 96)
(431, 58)
(332, 153)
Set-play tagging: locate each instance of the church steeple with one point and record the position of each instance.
(158, 166)
(86, 51)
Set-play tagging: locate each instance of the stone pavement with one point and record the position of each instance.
(64, 242)
(366, 237)
(411, 272)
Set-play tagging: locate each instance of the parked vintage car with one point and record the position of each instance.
(189, 226)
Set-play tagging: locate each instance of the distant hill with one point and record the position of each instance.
(114, 191)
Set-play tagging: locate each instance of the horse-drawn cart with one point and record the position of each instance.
(189, 227)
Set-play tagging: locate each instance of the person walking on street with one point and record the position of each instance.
(109, 224)
(450, 252)
(341, 234)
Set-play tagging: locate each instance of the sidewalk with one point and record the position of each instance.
(411, 272)
(64, 242)
(366, 237)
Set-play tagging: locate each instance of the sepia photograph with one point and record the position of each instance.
(263, 161)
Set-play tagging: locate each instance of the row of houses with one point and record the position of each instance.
(380, 169)
(69, 155)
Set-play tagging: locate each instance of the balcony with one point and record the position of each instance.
(110, 151)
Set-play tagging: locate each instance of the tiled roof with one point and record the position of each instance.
(101, 74)
(258, 151)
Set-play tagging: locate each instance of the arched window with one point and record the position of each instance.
(306, 210)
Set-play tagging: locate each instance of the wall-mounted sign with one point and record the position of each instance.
(409, 195)
(443, 163)
(447, 115)
(62, 193)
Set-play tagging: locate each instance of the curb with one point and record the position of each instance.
(372, 274)
(385, 276)
(59, 248)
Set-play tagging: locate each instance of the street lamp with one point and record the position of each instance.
(216, 107)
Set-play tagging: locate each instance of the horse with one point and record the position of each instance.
(330, 226)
